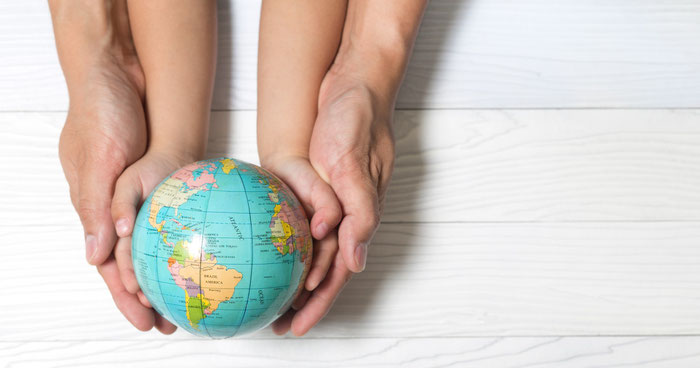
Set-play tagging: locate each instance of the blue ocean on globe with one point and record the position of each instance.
(221, 248)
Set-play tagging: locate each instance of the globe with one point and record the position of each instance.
(221, 248)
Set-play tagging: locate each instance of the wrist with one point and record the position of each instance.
(274, 158)
(177, 156)
(90, 33)
(373, 64)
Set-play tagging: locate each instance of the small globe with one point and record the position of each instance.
(221, 248)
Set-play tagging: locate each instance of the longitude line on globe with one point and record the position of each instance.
(160, 289)
(201, 250)
(252, 250)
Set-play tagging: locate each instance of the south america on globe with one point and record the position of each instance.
(221, 248)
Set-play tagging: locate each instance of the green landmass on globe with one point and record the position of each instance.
(221, 248)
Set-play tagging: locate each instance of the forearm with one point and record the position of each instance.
(176, 44)
(298, 41)
(377, 41)
(89, 33)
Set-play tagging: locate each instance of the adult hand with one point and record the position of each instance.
(352, 150)
(105, 131)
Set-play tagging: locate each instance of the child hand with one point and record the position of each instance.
(132, 188)
(324, 281)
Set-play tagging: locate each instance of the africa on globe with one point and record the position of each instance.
(221, 248)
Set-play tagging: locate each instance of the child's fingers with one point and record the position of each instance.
(324, 251)
(122, 254)
(143, 299)
(163, 325)
(127, 195)
(141, 317)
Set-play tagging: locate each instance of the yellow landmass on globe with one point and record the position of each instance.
(217, 282)
(227, 165)
(280, 231)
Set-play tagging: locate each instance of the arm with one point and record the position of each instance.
(105, 129)
(297, 44)
(176, 45)
(298, 41)
(105, 132)
(352, 146)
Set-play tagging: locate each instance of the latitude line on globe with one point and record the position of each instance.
(232, 264)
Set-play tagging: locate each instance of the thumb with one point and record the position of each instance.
(93, 207)
(127, 195)
(358, 197)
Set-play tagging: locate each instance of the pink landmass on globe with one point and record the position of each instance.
(205, 177)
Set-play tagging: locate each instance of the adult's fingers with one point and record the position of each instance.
(301, 299)
(127, 195)
(322, 298)
(357, 194)
(95, 186)
(141, 317)
(282, 325)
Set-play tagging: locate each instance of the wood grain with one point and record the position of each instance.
(452, 165)
(493, 352)
(469, 54)
(425, 280)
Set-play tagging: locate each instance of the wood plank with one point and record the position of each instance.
(422, 280)
(452, 165)
(469, 54)
(567, 352)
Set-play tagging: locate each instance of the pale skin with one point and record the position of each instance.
(141, 73)
(328, 76)
(129, 74)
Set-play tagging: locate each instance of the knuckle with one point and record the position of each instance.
(87, 211)
(370, 221)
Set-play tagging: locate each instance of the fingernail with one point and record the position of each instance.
(361, 255)
(122, 227)
(90, 246)
(322, 229)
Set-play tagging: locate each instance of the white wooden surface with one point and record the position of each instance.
(469, 54)
(546, 237)
(491, 352)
